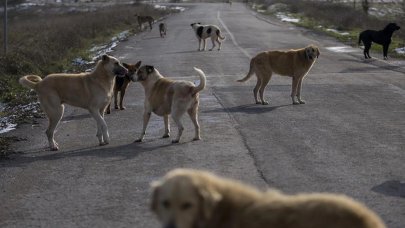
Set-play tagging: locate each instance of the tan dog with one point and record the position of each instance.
(164, 97)
(91, 91)
(292, 63)
(121, 85)
(186, 198)
(144, 19)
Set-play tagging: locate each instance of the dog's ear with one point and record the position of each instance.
(155, 186)
(209, 198)
(149, 69)
(138, 64)
(105, 58)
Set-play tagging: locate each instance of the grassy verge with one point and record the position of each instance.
(343, 18)
(42, 42)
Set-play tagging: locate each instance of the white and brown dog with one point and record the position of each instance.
(204, 32)
(166, 97)
(91, 91)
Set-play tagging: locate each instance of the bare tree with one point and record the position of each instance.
(366, 6)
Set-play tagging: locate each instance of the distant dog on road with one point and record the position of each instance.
(292, 63)
(121, 84)
(145, 19)
(166, 97)
(162, 29)
(206, 31)
(186, 198)
(382, 37)
(91, 91)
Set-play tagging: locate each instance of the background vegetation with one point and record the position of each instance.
(348, 16)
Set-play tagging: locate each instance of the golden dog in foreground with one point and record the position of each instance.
(186, 198)
(91, 91)
(292, 63)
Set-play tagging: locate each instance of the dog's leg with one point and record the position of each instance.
(213, 43)
(54, 113)
(122, 94)
(116, 99)
(53, 108)
(205, 44)
(385, 51)
(294, 87)
(219, 44)
(263, 86)
(199, 44)
(299, 90)
(367, 47)
(146, 116)
(102, 130)
(177, 112)
(108, 110)
(256, 90)
(167, 126)
(193, 113)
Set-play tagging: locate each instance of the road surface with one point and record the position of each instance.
(349, 138)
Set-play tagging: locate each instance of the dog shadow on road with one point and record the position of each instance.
(120, 152)
(247, 109)
(391, 188)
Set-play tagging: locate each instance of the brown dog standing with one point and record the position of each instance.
(186, 198)
(121, 84)
(166, 97)
(91, 91)
(292, 63)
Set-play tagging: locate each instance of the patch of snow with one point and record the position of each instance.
(341, 49)
(338, 32)
(400, 50)
(286, 18)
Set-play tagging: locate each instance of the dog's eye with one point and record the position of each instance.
(185, 206)
(166, 204)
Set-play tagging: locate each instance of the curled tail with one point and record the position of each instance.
(249, 74)
(219, 35)
(203, 79)
(30, 81)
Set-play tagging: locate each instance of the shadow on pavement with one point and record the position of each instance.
(391, 188)
(248, 109)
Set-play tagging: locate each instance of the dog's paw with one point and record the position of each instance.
(166, 136)
(116, 107)
(123, 108)
(175, 141)
(296, 103)
(258, 102)
(103, 143)
(138, 141)
(301, 101)
(265, 103)
(196, 139)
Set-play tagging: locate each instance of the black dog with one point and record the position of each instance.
(382, 37)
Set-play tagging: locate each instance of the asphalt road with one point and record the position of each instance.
(349, 138)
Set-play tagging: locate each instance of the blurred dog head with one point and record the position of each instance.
(132, 68)
(113, 66)
(312, 52)
(391, 27)
(183, 199)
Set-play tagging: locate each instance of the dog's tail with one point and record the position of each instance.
(203, 80)
(249, 74)
(30, 81)
(219, 35)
